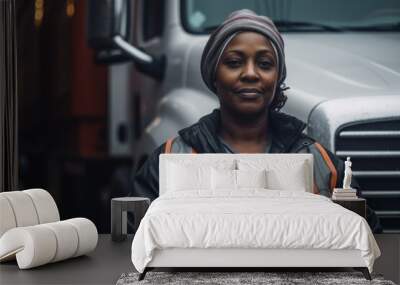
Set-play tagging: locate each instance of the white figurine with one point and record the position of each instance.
(347, 174)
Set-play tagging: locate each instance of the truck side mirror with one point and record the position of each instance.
(107, 19)
(108, 32)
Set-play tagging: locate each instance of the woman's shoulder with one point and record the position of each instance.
(176, 145)
(310, 145)
(302, 143)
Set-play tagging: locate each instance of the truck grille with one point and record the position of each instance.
(374, 148)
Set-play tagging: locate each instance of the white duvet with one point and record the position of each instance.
(253, 218)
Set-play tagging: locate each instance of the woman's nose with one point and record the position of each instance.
(249, 72)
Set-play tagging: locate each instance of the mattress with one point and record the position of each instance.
(250, 219)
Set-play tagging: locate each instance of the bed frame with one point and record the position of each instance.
(246, 258)
(243, 259)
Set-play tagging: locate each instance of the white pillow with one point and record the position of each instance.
(291, 179)
(181, 178)
(223, 179)
(251, 178)
(281, 174)
(226, 179)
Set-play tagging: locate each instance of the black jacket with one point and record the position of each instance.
(287, 137)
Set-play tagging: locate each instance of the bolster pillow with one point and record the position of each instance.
(26, 208)
(40, 244)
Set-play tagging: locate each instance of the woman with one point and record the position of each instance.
(243, 63)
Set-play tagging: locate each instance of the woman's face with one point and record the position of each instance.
(246, 74)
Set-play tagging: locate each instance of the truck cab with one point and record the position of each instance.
(343, 69)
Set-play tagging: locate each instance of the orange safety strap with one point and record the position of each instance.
(329, 163)
(168, 145)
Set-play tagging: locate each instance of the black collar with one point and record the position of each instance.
(203, 136)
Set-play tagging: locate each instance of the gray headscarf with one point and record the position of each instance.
(240, 21)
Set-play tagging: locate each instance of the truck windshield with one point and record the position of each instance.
(203, 16)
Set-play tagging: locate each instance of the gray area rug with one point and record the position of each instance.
(225, 278)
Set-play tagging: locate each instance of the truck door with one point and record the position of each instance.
(148, 36)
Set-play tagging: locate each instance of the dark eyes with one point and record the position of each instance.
(236, 63)
(265, 64)
(233, 63)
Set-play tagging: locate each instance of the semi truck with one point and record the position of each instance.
(343, 63)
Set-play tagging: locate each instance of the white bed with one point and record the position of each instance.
(201, 219)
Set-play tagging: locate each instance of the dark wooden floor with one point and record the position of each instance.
(103, 266)
(106, 264)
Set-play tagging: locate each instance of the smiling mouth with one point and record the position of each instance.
(249, 94)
